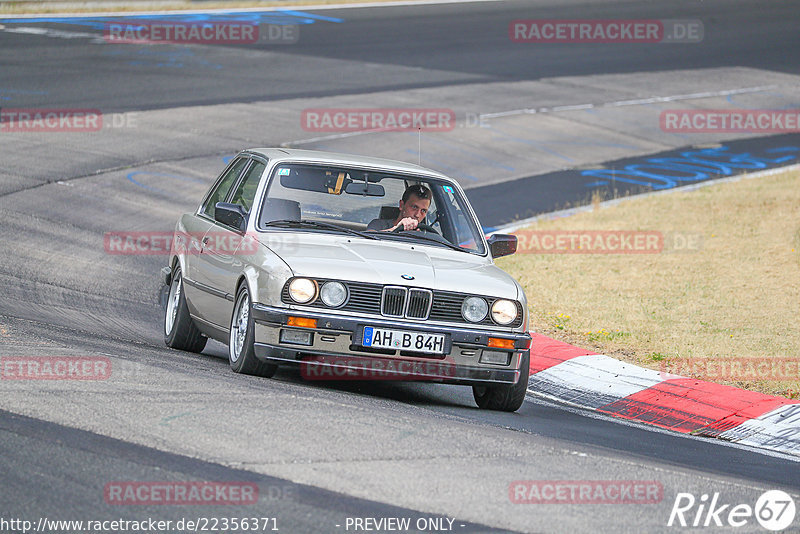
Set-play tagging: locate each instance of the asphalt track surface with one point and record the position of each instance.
(319, 453)
(458, 42)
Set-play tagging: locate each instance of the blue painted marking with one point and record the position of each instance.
(784, 158)
(6, 91)
(282, 17)
(783, 149)
(21, 91)
(689, 166)
(310, 15)
(151, 188)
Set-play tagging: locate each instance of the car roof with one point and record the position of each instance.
(335, 158)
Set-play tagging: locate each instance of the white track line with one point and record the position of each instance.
(569, 107)
(635, 102)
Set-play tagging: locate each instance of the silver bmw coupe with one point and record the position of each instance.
(352, 268)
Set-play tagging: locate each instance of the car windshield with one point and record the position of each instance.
(355, 200)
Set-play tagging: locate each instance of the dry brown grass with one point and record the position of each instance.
(737, 296)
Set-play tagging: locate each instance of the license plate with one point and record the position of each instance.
(383, 338)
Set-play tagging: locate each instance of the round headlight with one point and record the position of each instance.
(302, 290)
(504, 311)
(474, 309)
(333, 294)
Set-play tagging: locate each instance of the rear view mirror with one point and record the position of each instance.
(367, 189)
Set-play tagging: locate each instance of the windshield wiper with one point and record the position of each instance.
(422, 235)
(316, 224)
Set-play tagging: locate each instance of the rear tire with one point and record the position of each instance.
(180, 331)
(505, 398)
(241, 354)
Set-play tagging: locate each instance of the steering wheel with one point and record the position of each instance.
(420, 226)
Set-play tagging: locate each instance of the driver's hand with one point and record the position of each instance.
(409, 223)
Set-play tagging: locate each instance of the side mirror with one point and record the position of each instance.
(232, 215)
(502, 244)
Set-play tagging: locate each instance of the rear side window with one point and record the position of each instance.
(245, 193)
(222, 188)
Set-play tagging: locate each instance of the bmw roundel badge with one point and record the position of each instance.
(406, 277)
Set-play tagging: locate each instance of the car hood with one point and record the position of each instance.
(321, 255)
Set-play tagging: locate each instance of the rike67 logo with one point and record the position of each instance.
(774, 510)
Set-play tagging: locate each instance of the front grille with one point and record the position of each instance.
(447, 307)
(390, 301)
(403, 302)
(419, 303)
(393, 301)
(364, 298)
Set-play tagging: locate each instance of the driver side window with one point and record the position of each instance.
(245, 193)
(221, 190)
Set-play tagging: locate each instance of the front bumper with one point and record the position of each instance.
(334, 352)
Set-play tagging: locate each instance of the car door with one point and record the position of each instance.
(199, 295)
(222, 257)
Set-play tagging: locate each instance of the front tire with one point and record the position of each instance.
(180, 331)
(241, 355)
(505, 398)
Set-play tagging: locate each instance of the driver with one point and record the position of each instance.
(413, 208)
